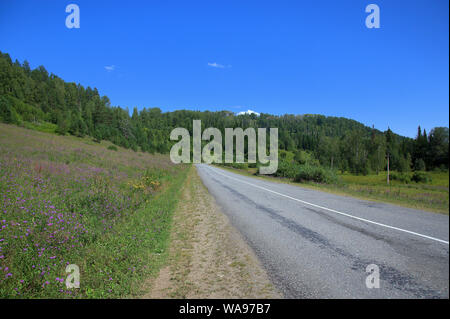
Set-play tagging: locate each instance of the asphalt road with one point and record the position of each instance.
(318, 245)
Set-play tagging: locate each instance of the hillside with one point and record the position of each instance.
(67, 200)
(43, 101)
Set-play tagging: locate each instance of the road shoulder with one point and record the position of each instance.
(207, 257)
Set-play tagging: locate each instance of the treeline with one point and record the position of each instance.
(35, 96)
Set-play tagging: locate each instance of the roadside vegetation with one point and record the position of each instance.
(68, 200)
(428, 190)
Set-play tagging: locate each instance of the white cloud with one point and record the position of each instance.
(217, 65)
(110, 68)
(248, 112)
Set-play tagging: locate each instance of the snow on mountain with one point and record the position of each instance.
(248, 112)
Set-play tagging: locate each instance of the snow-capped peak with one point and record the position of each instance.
(248, 112)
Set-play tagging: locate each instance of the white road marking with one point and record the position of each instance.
(332, 210)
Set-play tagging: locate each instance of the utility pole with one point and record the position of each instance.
(388, 168)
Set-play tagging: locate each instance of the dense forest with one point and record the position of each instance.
(39, 98)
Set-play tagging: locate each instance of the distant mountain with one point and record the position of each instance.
(248, 112)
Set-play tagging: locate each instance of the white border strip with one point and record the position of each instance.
(332, 210)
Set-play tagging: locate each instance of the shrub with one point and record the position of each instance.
(305, 158)
(316, 174)
(287, 169)
(112, 148)
(239, 165)
(401, 177)
(421, 177)
(252, 165)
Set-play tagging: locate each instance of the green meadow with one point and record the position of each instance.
(68, 200)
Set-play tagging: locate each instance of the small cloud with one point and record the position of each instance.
(110, 68)
(217, 65)
(248, 112)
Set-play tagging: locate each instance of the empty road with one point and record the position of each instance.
(318, 245)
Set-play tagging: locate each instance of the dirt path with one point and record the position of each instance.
(208, 258)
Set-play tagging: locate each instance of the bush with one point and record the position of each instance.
(305, 158)
(421, 177)
(112, 148)
(401, 177)
(252, 165)
(239, 165)
(316, 174)
(286, 169)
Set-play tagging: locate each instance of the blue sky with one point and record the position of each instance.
(275, 57)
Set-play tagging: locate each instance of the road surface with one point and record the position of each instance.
(319, 245)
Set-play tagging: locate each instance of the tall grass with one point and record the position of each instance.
(64, 201)
(428, 191)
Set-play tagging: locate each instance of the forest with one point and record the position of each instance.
(41, 100)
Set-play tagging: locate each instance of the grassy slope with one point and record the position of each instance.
(66, 200)
(431, 197)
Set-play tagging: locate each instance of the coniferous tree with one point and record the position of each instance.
(36, 96)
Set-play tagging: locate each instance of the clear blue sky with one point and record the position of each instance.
(278, 56)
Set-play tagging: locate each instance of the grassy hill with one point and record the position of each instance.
(68, 200)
